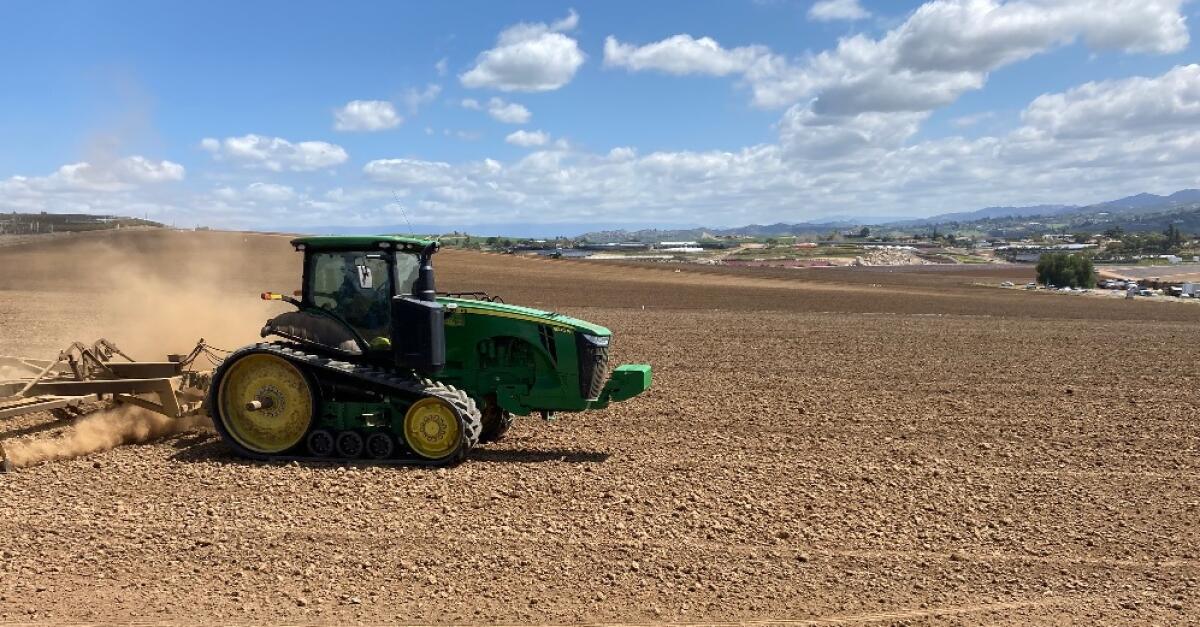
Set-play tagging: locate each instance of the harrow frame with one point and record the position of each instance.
(84, 373)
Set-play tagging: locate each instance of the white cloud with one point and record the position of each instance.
(119, 175)
(500, 110)
(942, 50)
(366, 115)
(828, 165)
(414, 99)
(808, 135)
(947, 47)
(1093, 142)
(124, 186)
(270, 192)
(566, 24)
(255, 193)
(138, 169)
(1104, 108)
(831, 10)
(409, 171)
(441, 66)
(528, 57)
(527, 138)
(278, 154)
(508, 112)
(681, 54)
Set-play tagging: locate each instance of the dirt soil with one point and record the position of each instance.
(821, 446)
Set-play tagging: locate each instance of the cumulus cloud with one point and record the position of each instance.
(1092, 142)
(681, 54)
(809, 135)
(944, 49)
(529, 57)
(828, 165)
(414, 98)
(527, 138)
(122, 174)
(366, 115)
(269, 192)
(275, 153)
(1138, 104)
(500, 110)
(441, 66)
(947, 47)
(409, 171)
(832, 10)
(125, 186)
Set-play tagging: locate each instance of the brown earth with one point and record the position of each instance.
(821, 446)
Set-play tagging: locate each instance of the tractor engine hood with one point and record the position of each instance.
(538, 316)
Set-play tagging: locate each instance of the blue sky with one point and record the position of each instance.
(489, 115)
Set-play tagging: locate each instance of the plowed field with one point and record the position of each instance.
(827, 446)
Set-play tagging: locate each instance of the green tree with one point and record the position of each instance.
(1064, 270)
(1174, 238)
(864, 232)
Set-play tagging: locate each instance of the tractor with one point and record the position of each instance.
(375, 364)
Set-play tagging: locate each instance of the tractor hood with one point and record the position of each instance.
(502, 310)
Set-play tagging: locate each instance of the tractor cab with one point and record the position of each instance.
(366, 296)
(358, 287)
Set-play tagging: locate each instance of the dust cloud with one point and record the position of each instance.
(154, 293)
(98, 432)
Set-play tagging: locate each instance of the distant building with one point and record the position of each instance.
(1029, 253)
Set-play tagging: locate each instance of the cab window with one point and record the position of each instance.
(357, 287)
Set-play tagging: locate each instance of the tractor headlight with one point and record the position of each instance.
(593, 364)
(596, 340)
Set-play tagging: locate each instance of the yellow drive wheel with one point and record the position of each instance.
(432, 429)
(266, 403)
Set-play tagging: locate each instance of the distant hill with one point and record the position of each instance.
(1139, 212)
(690, 235)
(1143, 202)
(999, 212)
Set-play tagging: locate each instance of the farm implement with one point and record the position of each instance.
(83, 374)
(374, 364)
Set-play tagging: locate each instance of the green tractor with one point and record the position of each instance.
(374, 364)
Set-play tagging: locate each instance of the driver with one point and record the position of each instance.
(364, 307)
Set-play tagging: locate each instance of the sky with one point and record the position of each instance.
(559, 117)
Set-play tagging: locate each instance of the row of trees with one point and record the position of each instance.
(1170, 240)
(1065, 270)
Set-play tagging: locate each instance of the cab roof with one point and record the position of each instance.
(361, 242)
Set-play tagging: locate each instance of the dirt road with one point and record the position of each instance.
(838, 446)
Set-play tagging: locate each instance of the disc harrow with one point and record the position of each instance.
(101, 371)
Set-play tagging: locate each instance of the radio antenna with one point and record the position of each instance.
(403, 213)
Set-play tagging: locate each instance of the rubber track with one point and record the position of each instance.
(376, 379)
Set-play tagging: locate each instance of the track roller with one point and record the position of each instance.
(350, 444)
(321, 443)
(380, 445)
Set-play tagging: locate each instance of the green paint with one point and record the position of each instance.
(524, 360)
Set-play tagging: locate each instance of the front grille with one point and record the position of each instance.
(593, 366)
